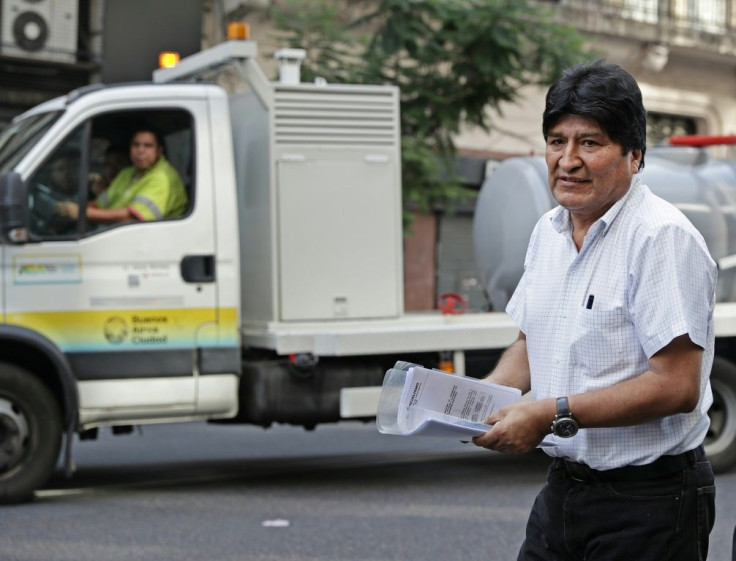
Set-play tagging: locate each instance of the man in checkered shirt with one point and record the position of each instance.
(615, 311)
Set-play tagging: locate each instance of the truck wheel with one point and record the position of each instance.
(30, 434)
(720, 442)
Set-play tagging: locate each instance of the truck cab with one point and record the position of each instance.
(131, 322)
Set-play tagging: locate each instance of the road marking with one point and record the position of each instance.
(278, 523)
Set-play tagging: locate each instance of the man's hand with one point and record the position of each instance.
(68, 209)
(518, 428)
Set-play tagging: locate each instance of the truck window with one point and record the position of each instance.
(17, 139)
(56, 181)
(140, 161)
(154, 185)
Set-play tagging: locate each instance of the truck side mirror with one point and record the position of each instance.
(13, 209)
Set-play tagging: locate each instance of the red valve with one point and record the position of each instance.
(452, 303)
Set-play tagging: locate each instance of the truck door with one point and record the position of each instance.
(131, 304)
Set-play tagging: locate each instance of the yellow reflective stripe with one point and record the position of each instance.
(115, 329)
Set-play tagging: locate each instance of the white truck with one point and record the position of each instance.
(276, 297)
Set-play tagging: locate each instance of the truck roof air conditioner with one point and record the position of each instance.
(40, 29)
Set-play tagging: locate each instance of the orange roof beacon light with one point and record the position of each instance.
(168, 59)
(238, 30)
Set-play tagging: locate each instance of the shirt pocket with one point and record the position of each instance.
(602, 339)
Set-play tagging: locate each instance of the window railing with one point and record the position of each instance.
(709, 16)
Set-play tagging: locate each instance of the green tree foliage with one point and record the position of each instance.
(452, 59)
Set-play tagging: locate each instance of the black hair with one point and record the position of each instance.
(605, 93)
(150, 129)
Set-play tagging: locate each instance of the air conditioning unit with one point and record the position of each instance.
(40, 29)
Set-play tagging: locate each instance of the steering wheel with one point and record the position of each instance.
(45, 217)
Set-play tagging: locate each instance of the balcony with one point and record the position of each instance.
(708, 26)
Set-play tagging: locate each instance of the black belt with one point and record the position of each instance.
(664, 465)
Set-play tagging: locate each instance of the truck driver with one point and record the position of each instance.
(150, 189)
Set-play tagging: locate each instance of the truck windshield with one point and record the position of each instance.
(19, 137)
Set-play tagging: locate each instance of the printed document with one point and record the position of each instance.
(418, 401)
(422, 401)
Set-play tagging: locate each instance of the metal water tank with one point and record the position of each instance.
(512, 199)
(516, 194)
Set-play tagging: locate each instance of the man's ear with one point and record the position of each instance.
(635, 159)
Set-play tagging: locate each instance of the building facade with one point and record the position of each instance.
(49, 47)
(682, 53)
(46, 49)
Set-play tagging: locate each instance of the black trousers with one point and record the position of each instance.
(582, 514)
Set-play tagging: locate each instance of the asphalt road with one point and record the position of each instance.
(340, 493)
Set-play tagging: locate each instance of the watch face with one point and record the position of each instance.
(565, 427)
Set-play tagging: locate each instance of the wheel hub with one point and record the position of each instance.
(13, 435)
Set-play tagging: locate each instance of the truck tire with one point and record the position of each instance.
(720, 442)
(30, 434)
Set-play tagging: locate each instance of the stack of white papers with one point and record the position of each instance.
(422, 401)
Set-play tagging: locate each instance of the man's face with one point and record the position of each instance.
(60, 173)
(588, 171)
(144, 151)
(64, 175)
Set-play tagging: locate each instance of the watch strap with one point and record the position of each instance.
(563, 407)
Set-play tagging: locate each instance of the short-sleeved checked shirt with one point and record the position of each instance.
(593, 318)
(158, 193)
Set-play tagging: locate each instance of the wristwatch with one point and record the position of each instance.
(564, 424)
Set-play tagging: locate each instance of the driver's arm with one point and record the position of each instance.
(95, 214)
(108, 215)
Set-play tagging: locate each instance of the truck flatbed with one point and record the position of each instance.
(417, 332)
(420, 332)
